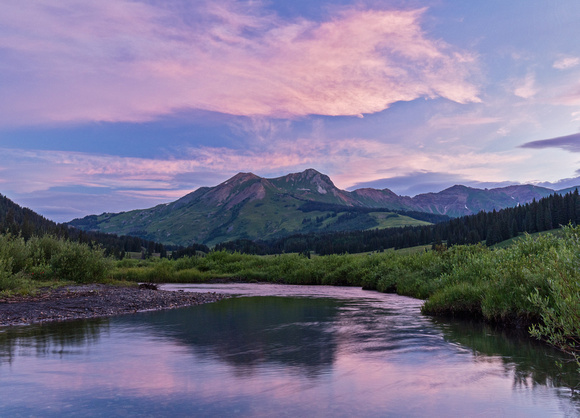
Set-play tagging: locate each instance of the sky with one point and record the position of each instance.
(114, 105)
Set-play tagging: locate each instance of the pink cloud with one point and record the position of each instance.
(569, 96)
(120, 60)
(566, 63)
(446, 122)
(348, 161)
(526, 88)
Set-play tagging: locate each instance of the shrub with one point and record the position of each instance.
(559, 307)
(79, 263)
(461, 299)
(13, 250)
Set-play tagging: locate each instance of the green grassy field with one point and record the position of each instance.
(509, 242)
(394, 220)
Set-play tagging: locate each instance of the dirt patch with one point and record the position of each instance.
(92, 301)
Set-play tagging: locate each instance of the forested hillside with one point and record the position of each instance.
(17, 220)
(492, 227)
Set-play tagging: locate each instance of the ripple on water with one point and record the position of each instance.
(279, 350)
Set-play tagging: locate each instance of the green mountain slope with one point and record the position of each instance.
(21, 221)
(251, 207)
(246, 206)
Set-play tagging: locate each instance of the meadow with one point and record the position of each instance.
(533, 283)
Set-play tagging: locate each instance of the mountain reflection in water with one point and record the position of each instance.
(248, 332)
(282, 350)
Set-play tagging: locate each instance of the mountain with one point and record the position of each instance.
(23, 222)
(18, 220)
(251, 207)
(568, 190)
(461, 200)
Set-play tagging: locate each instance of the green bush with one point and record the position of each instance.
(186, 263)
(79, 263)
(559, 307)
(14, 252)
(192, 275)
(7, 279)
(461, 299)
(49, 258)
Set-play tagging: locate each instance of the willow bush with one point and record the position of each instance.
(48, 259)
(560, 307)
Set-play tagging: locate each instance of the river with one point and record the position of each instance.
(282, 351)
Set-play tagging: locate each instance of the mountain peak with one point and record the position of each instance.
(241, 178)
(249, 206)
(310, 179)
(310, 172)
(458, 188)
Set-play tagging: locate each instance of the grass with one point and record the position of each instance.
(534, 282)
(509, 242)
(414, 250)
(393, 220)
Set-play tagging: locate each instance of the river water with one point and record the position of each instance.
(282, 351)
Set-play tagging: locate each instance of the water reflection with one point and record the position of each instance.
(64, 338)
(346, 353)
(532, 362)
(248, 332)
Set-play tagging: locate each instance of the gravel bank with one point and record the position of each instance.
(91, 301)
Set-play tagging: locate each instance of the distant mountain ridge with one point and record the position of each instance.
(253, 207)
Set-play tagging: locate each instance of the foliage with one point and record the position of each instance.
(27, 224)
(78, 263)
(560, 308)
(491, 227)
(534, 281)
(40, 259)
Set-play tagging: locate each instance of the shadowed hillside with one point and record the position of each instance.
(251, 207)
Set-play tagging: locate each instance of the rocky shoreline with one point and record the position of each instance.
(93, 301)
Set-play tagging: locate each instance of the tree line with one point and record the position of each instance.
(489, 227)
(26, 223)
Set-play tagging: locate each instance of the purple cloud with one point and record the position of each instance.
(569, 143)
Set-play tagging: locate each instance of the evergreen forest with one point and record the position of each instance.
(489, 227)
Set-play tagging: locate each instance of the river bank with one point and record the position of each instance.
(92, 301)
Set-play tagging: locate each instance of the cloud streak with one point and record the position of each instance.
(348, 161)
(34, 177)
(566, 63)
(568, 143)
(121, 60)
(339, 158)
